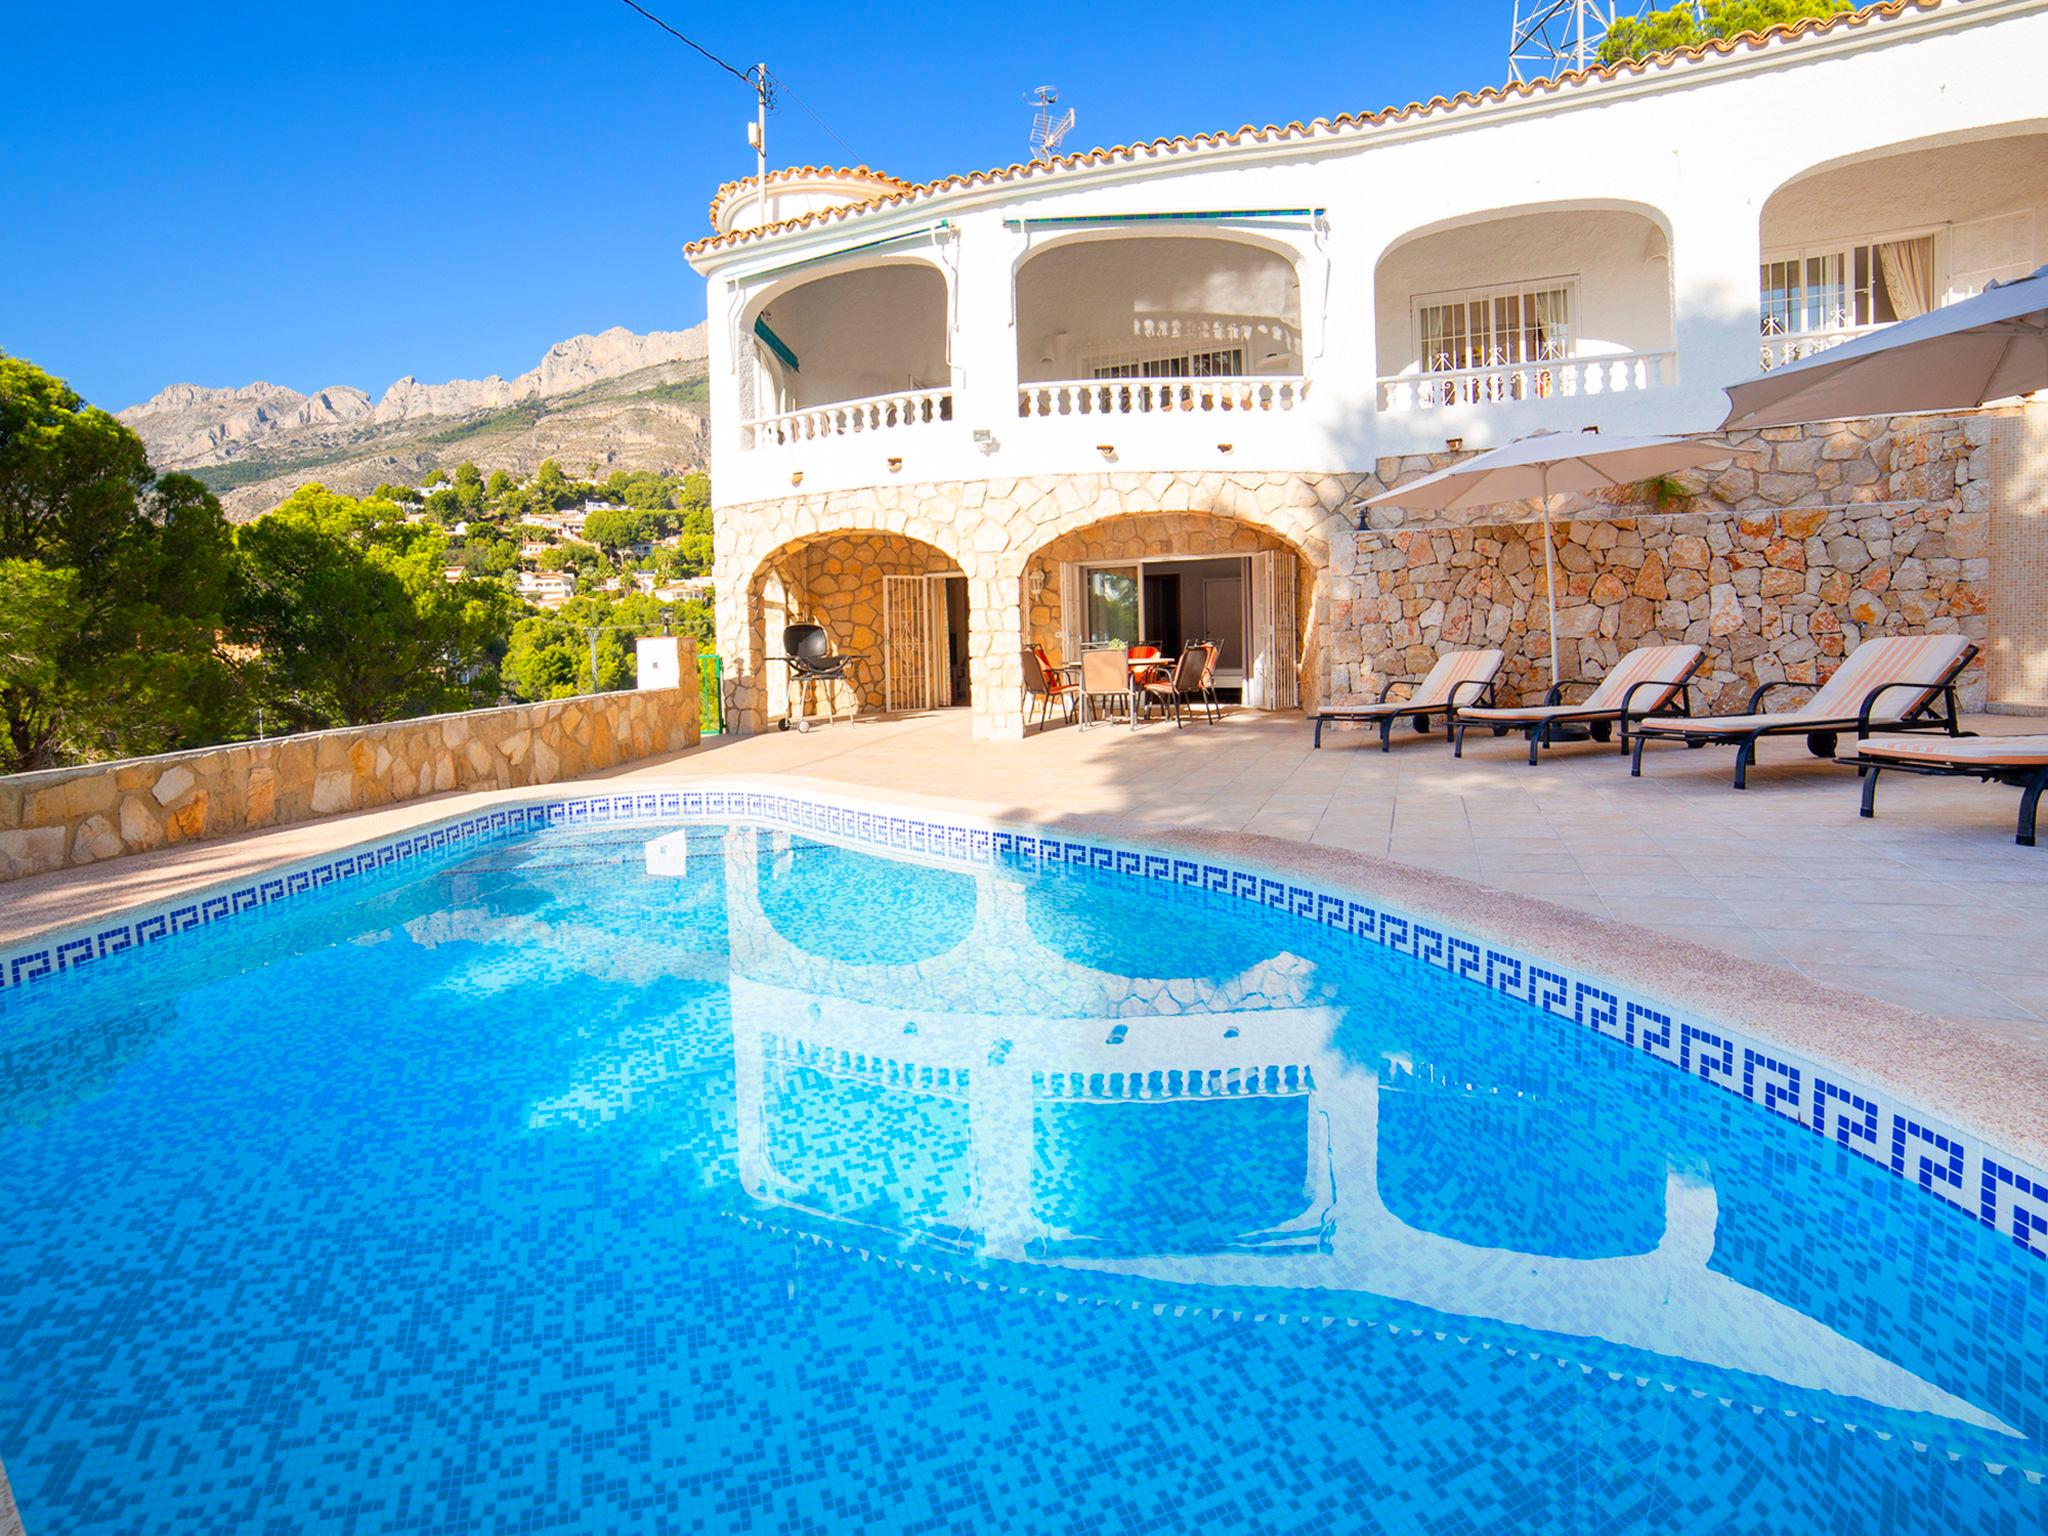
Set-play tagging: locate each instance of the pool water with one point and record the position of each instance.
(720, 1178)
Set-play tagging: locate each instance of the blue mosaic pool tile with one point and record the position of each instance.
(1991, 1186)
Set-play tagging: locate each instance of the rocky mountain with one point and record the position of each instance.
(617, 400)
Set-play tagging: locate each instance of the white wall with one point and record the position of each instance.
(1618, 262)
(1703, 145)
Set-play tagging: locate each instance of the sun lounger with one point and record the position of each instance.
(2016, 760)
(1458, 678)
(1644, 682)
(1890, 683)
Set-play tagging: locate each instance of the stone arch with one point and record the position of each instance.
(1199, 518)
(830, 573)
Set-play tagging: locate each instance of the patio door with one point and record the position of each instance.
(917, 669)
(1271, 680)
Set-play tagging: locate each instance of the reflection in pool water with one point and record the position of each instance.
(625, 1180)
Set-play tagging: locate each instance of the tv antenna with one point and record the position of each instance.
(1552, 36)
(1047, 130)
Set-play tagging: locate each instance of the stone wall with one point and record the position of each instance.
(1807, 541)
(1877, 529)
(66, 817)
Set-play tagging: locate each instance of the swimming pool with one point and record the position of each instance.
(729, 1161)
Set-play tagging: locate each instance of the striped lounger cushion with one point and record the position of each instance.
(1891, 659)
(1649, 663)
(1433, 693)
(1964, 751)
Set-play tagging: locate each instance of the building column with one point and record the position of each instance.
(1716, 245)
(984, 337)
(995, 640)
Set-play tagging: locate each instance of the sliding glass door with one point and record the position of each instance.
(1112, 595)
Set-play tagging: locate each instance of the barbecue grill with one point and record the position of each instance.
(810, 658)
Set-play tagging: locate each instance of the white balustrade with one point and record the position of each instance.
(1559, 378)
(1794, 346)
(877, 413)
(1144, 397)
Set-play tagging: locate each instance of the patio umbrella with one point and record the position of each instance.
(1544, 465)
(1948, 359)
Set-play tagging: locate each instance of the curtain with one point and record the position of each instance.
(1553, 322)
(1909, 275)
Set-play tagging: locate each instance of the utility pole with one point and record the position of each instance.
(757, 135)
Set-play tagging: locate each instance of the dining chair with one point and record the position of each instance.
(1046, 686)
(1105, 675)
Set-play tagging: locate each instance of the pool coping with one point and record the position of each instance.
(1805, 1049)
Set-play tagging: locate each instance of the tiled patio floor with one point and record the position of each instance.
(1931, 905)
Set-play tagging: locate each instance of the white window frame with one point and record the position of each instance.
(1488, 293)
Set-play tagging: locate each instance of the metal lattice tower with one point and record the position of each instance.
(1552, 36)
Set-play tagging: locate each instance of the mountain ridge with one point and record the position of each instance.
(616, 399)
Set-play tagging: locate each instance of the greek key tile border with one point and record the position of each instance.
(1984, 1183)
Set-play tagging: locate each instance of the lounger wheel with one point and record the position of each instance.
(1603, 730)
(1500, 730)
(1690, 745)
(782, 725)
(1821, 743)
(1421, 724)
(803, 727)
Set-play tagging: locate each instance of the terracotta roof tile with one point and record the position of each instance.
(805, 173)
(1272, 133)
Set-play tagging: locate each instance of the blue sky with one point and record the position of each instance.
(340, 194)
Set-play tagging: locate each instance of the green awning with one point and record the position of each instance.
(776, 345)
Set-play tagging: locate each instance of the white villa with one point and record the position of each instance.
(1140, 393)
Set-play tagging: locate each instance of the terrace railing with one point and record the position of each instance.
(1145, 397)
(1562, 378)
(1795, 346)
(842, 418)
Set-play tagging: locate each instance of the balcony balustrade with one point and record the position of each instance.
(1794, 346)
(1556, 378)
(877, 413)
(1144, 397)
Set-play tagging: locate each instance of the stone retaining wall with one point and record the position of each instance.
(1809, 540)
(71, 816)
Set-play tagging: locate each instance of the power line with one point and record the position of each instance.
(783, 86)
(745, 77)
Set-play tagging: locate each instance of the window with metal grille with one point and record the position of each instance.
(1221, 363)
(1495, 327)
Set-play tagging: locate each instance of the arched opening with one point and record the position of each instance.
(1158, 307)
(900, 604)
(1170, 579)
(850, 351)
(1857, 245)
(1523, 306)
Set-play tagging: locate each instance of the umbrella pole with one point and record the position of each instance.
(1549, 575)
